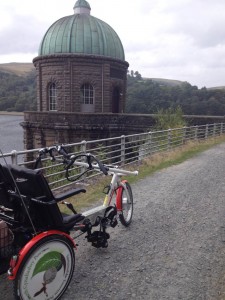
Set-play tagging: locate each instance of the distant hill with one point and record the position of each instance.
(23, 69)
(167, 82)
(217, 88)
(19, 69)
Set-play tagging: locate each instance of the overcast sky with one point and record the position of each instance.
(173, 39)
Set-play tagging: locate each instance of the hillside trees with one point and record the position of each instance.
(148, 96)
(17, 93)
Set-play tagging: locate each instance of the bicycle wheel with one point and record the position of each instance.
(46, 271)
(126, 205)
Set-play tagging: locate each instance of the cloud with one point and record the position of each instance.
(21, 36)
(179, 39)
(23, 23)
(201, 20)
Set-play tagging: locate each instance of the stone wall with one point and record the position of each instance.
(47, 128)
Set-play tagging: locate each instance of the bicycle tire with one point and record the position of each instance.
(126, 202)
(46, 271)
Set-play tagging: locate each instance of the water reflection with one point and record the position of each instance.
(11, 133)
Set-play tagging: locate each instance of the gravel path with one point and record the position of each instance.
(175, 246)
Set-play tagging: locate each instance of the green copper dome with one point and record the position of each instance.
(81, 33)
(82, 3)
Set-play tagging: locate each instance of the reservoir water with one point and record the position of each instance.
(11, 133)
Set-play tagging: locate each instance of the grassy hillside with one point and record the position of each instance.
(19, 69)
(23, 69)
(167, 82)
(217, 88)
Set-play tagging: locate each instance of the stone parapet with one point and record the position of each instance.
(47, 128)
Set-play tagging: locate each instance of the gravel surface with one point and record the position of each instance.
(175, 246)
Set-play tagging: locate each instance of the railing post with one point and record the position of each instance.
(169, 137)
(14, 157)
(184, 135)
(149, 143)
(196, 133)
(123, 149)
(83, 147)
(206, 131)
(214, 129)
(221, 128)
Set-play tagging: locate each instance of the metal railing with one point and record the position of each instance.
(121, 151)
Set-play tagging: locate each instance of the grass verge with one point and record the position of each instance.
(146, 167)
(178, 155)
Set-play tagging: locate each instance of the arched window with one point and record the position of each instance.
(87, 94)
(87, 98)
(52, 96)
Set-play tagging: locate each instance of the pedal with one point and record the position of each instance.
(98, 239)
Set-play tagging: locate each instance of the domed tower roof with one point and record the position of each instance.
(81, 33)
(81, 4)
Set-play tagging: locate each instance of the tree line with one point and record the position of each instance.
(17, 93)
(145, 96)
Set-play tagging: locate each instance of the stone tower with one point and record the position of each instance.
(81, 66)
(81, 77)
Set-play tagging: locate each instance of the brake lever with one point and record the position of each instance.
(61, 150)
(51, 154)
(43, 151)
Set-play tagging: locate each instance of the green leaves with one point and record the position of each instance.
(51, 259)
(169, 118)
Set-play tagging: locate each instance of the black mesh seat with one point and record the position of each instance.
(18, 182)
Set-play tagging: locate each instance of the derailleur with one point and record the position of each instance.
(99, 238)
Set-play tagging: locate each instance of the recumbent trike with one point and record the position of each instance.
(36, 248)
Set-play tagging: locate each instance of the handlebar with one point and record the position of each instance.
(70, 160)
(89, 165)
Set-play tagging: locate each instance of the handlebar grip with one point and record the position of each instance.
(63, 151)
(103, 168)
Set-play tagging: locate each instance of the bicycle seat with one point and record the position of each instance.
(70, 220)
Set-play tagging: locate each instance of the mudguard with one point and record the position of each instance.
(17, 260)
(119, 196)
